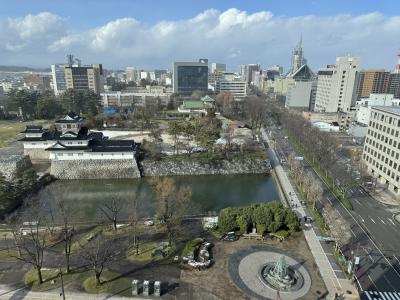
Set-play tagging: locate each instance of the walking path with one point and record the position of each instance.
(331, 280)
(7, 292)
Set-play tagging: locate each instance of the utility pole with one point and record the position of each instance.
(62, 284)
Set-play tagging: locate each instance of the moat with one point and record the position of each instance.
(209, 193)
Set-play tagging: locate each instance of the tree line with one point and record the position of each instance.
(12, 191)
(30, 105)
(322, 149)
(267, 217)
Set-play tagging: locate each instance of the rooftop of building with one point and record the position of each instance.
(389, 109)
(83, 134)
(70, 117)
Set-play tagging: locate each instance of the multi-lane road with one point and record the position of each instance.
(375, 236)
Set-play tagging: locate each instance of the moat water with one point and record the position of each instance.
(209, 193)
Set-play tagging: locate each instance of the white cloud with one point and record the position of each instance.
(232, 36)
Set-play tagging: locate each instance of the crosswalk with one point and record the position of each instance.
(374, 295)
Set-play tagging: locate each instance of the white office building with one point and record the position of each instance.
(382, 146)
(233, 85)
(364, 106)
(336, 85)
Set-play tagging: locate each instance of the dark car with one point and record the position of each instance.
(230, 237)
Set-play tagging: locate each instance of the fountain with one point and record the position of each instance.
(280, 276)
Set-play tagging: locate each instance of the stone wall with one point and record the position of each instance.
(12, 165)
(195, 167)
(94, 169)
(37, 154)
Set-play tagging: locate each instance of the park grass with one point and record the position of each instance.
(8, 255)
(146, 250)
(9, 130)
(110, 282)
(31, 279)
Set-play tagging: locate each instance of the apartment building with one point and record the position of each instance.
(382, 146)
(372, 82)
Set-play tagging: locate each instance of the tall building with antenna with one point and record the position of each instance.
(298, 59)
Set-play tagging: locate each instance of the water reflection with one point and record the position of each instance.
(209, 193)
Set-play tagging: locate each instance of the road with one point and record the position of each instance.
(375, 236)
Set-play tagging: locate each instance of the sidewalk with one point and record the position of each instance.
(332, 282)
(383, 195)
(7, 292)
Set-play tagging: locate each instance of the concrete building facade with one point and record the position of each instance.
(337, 85)
(381, 151)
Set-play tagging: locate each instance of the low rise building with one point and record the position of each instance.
(197, 106)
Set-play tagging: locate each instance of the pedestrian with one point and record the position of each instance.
(305, 219)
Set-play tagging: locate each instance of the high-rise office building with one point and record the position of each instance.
(75, 76)
(232, 84)
(337, 85)
(58, 76)
(246, 71)
(372, 82)
(215, 67)
(190, 76)
(82, 78)
(382, 146)
(131, 74)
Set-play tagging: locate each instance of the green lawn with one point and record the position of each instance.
(51, 279)
(146, 250)
(111, 283)
(9, 130)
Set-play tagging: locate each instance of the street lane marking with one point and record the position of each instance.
(391, 221)
(382, 221)
(372, 220)
(357, 201)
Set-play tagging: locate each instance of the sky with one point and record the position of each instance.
(154, 33)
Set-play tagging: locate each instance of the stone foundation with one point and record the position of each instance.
(195, 167)
(94, 169)
(37, 154)
(14, 165)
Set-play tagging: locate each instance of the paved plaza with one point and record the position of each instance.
(245, 271)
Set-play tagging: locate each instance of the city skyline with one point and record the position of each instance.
(42, 35)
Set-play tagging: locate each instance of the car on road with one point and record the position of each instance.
(303, 204)
(230, 237)
(148, 222)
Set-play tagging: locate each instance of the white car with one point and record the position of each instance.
(149, 223)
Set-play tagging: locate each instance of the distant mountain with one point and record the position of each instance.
(22, 69)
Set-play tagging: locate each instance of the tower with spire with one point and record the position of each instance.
(297, 57)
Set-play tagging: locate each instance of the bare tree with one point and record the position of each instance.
(98, 254)
(135, 216)
(339, 228)
(31, 242)
(171, 204)
(316, 190)
(112, 210)
(255, 112)
(67, 229)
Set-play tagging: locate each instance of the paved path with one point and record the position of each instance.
(331, 280)
(7, 292)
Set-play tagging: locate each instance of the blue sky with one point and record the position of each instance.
(153, 33)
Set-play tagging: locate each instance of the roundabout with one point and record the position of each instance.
(265, 274)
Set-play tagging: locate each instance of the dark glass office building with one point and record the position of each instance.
(190, 77)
